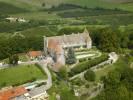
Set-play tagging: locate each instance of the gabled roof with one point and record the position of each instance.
(12, 93)
(34, 53)
(65, 40)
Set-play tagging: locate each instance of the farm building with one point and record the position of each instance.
(35, 54)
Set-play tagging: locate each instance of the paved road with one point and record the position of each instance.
(43, 64)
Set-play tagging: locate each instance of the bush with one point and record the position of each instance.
(90, 75)
(87, 85)
(63, 73)
(82, 60)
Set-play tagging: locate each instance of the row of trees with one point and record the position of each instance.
(90, 12)
(13, 27)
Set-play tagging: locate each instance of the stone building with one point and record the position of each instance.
(55, 46)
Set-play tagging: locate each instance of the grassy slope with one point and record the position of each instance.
(37, 15)
(101, 3)
(6, 8)
(20, 4)
(120, 64)
(37, 4)
(20, 74)
(38, 31)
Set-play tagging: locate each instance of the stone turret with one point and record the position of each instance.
(88, 39)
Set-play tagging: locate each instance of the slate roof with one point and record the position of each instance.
(57, 42)
(79, 38)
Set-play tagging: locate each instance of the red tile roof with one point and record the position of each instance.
(35, 53)
(12, 93)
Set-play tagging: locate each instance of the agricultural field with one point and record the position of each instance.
(37, 4)
(20, 74)
(4, 8)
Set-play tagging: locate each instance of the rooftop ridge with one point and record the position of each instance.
(67, 35)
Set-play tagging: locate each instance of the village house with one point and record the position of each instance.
(12, 93)
(21, 93)
(14, 19)
(57, 45)
(35, 55)
(38, 93)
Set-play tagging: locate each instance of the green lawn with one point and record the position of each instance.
(20, 74)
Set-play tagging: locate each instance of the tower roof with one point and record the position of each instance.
(85, 30)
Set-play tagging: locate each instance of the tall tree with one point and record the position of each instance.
(13, 59)
(108, 40)
(70, 59)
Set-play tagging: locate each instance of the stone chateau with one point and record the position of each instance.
(57, 45)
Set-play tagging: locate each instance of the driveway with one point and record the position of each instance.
(43, 64)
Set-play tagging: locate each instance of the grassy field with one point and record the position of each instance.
(108, 68)
(102, 3)
(7, 8)
(37, 4)
(38, 31)
(20, 74)
(37, 15)
(20, 4)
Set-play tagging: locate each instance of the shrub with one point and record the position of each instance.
(90, 75)
(87, 85)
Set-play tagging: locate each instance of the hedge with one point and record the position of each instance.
(87, 64)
